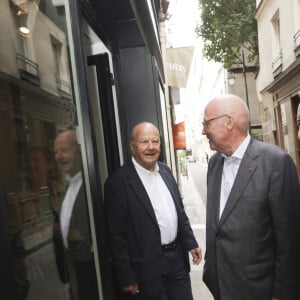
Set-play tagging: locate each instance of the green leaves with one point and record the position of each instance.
(227, 25)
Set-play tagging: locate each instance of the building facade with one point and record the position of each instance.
(278, 80)
(241, 81)
(80, 65)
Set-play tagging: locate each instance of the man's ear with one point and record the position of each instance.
(229, 123)
(131, 147)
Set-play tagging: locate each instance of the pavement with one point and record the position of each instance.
(195, 209)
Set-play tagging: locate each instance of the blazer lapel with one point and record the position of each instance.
(245, 172)
(140, 191)
(216, 189)
(171, 185)
(214, 181)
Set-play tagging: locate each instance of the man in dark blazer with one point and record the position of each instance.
(253, 211)
(298, 121)
(10, 288)
(149, 232)
(72, 239)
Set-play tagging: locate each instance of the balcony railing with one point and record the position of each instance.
(297, 43)
(29, 70)
(63, 86)
(277, 65)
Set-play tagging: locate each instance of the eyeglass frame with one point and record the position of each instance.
(206, 123)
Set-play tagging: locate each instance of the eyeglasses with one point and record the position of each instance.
(206, 123)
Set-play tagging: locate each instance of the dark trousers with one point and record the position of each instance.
(86, 281)
(176, 283)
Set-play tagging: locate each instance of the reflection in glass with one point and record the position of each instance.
(35, 102)
(26, 11)
(73, 231)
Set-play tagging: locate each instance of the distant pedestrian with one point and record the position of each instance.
(150, 234)
(253, 210)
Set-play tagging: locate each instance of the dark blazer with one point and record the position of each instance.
(79, 237)
(9, 286)
(76, 264)
(252, 251)
(134, 232)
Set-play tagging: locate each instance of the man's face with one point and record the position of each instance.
(67, 153)
(145, 146)
(215, 131)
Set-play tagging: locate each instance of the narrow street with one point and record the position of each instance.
(193, 188)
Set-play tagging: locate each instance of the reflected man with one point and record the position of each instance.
(298, 121)
(74, 221)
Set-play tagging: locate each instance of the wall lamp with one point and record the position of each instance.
(26, 11)
(230, 78)
(23, 25)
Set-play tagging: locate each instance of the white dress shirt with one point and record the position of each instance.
(161, 200)
(230, 169)
(68, 204)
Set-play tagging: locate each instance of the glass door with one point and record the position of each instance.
(43, 189)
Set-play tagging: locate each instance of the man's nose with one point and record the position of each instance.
(58, 154)
(150, 144)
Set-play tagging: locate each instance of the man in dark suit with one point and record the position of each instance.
(298, 121)
(10, 287)
(76, 264)
(253, 211)
(149, 232)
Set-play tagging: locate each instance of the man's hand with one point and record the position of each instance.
(131, 289)
(197, 255)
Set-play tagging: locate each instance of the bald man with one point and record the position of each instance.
(149, 232)
(253, 211)
(73, 235)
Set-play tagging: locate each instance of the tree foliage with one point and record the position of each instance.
(227, 25)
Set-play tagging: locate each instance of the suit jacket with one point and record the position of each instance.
(252, 250)
(79, 237)
(76, 263)
(134, 232)
(10, 287)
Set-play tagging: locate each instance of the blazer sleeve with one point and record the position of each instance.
(284, 200)
(185, 229)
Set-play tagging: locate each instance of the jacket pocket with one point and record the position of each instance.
(136, 260)
(259, 271)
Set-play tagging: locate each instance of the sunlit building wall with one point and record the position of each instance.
(278, 80)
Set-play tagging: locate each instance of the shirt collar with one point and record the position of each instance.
(74, 179)
(142, 169)
(240, 151)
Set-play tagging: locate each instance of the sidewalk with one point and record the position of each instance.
(195, 209)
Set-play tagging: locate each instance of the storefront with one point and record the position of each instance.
(285, 92)
(68, 66)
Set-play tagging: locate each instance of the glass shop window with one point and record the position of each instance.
(40, 158)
